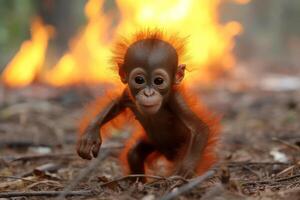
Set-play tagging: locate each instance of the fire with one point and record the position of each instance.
(88, 59)
(209, 44)
(243, 1)
(28, 62)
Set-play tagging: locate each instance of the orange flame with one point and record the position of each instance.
(209, 43)
(88, 59)
(28, 62)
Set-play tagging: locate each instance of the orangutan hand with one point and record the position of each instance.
(89, 143)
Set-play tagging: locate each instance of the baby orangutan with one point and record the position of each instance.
(172, 126)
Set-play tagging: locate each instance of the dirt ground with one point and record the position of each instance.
(259, 151)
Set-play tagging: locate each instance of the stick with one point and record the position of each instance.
(133, 176)
(45, 193)
(16, 183)
(84, 173)
(286, 170)
(21, 144)
(49, 167)
(193, 183)
(271, 181)
(57, 155)
(17, 178)
(251, 170)
(40, 170)
(42, 156)
(292, 146)
(240, 164)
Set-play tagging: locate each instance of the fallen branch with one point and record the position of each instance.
(45, 193)
(185, 188)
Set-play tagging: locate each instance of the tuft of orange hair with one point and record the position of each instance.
(121, 46)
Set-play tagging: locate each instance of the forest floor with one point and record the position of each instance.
(259, 151)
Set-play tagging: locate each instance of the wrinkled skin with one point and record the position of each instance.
(151, 70)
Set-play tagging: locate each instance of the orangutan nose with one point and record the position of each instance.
(148, 92)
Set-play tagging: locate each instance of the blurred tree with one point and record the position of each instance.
(271, 30)
(63, 16)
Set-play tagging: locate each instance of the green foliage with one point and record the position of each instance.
(15, 17)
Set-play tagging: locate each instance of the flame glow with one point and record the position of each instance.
(88, 59)
(28, 62)
(209, 46)
(209, 43)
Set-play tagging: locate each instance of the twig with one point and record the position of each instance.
(144, 176)
(45, 193)
(271, 181)
(49, 167)
(292, 146)
(56, 184)
(251, 170)
(240, 164)
(15, 183)
(43, 156)
(17, 178)
(91, 167)
(40, 170)
(193, 183)
(84, 173)
(286, 170)
(22, 144)
(286, 178)
(57, 155)
(133, 176)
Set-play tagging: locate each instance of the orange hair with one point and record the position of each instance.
(122, 45)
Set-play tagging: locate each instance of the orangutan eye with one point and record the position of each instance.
(139, 80)
(158, 81)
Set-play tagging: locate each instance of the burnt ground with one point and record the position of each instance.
(259, 154)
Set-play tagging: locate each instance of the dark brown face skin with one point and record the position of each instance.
(149, 69)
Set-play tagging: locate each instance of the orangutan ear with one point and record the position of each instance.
(180, 73)
(122, 74)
